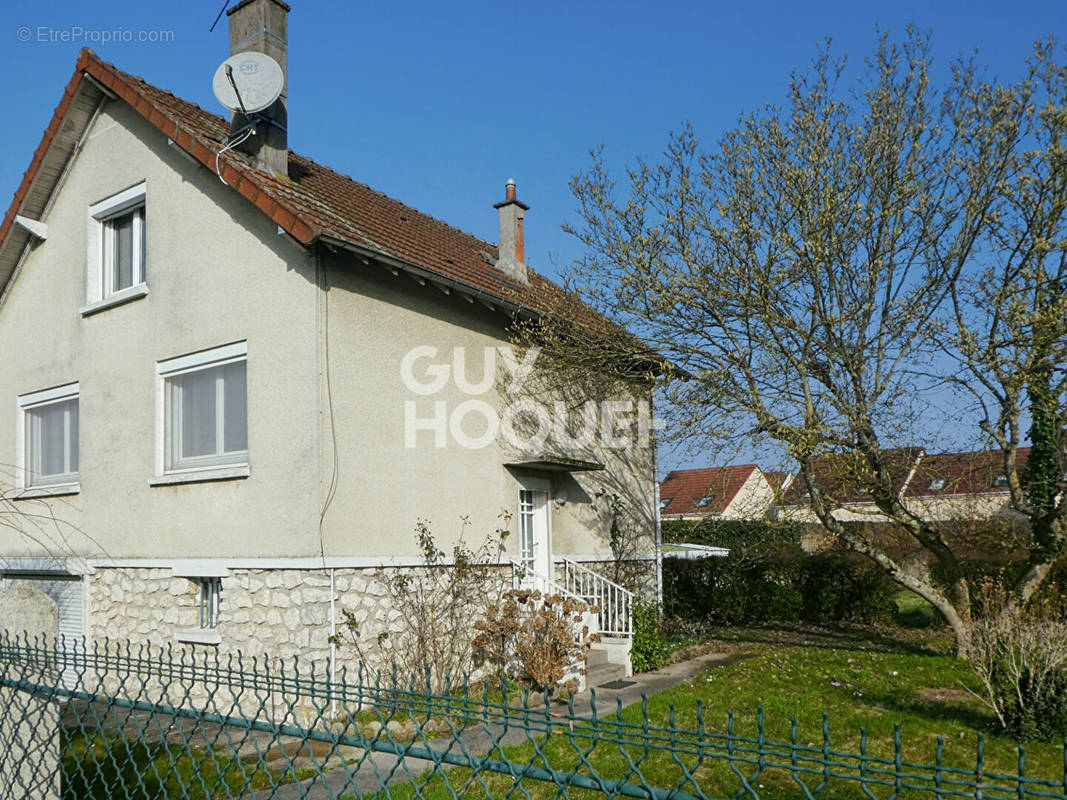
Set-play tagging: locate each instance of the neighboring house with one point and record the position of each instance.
(835, 475)
(962, 486)
(942, 487)
(236, 382)
(740, 492)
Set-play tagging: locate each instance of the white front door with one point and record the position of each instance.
(535, 532)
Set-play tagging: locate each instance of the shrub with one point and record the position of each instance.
(722, 591)
(782, 586)
(1021, 658)
(648, 650)
(845, 587)
(538, 639)
(432, 634)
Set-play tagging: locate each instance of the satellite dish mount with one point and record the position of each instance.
(249, 84)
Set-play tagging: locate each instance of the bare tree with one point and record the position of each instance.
(1008, 324)
(802, 273)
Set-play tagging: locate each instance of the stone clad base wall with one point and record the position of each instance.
(264, 614)
(270, 613)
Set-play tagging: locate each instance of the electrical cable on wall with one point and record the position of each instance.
(331, 492)
(235, 143)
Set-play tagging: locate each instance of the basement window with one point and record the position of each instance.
(210, 597)
(209, 600)
(116, 250)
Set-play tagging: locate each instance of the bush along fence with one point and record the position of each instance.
(117, 721)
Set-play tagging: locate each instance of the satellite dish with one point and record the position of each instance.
(258, 80)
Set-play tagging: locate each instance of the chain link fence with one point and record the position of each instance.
(147, 722)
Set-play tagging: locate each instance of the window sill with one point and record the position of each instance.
(116, 299)
(202, 475)
(199, 636)
(59, 490)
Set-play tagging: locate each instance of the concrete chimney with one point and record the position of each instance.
(262, 26)
(512, 260)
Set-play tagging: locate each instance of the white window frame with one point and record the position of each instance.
(100, 275)
(67, 483)
(208, 606)
(209, 602)
(219, 467)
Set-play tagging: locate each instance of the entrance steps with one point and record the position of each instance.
(608, 660)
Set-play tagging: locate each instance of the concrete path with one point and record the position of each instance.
(378, 769)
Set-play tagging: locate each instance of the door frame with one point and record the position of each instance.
(542, 556)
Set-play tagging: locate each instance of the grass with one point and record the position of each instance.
(864, 680)
(99, 767)
(914, 612)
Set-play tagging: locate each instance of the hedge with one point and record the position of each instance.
(768, 578)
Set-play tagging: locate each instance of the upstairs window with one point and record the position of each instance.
(124, 246)
(205, 409)
(937, 484)
(705, 501)
(1000, 482)
(50, 437)
(117, 249)
(663, 503)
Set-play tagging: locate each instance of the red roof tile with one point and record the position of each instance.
(962, 473)
(686, 487)
(837, 475)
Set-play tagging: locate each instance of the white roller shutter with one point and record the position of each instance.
(68, 592)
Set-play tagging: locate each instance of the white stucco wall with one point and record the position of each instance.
(217, 272)
(753, 500)
(384, 487)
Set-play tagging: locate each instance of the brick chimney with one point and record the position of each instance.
(262, 26)
(512, 257)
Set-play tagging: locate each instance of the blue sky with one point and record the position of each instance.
(438, 103)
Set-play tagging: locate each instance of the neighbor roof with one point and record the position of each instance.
(687, 487)
(835, 474)
(962, 473)
(312, 204)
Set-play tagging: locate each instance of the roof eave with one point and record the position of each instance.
(427, 276)
(51, 161)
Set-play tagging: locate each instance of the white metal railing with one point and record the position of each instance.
(524, 577)
(614, 603)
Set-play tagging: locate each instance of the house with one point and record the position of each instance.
(963, 486)
(237, 380)
(739, 492)
(841, 477)
(943, 487)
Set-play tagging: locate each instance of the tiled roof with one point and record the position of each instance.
(315, 203)
(686, 487)
(951, 474)
(836, 475)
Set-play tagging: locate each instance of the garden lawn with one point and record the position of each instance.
(100, 767)
(861, 681)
